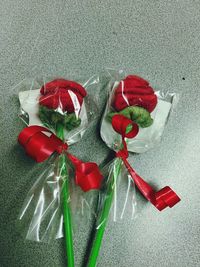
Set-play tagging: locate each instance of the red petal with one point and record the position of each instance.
(134, 91)
(62, 100)
(134, 80)
(55, 85)
(148, 102)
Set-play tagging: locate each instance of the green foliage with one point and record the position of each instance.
(51, 118)
(129, 128)
(137, 114)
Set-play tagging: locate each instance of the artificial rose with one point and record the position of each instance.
(67, 95)
(134, 91)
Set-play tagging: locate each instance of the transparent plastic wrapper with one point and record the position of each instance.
(148, 110)
(123, 194)
(133, 121)
(57, 112)
(52, 101)
(131, 103)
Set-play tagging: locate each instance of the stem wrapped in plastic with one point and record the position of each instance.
(64, 107)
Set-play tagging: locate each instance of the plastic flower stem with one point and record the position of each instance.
(104, 214)
(66, 204)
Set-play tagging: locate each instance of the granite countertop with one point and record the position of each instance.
(158, 40)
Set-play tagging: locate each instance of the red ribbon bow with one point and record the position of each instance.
(39, 146)
(161, 199)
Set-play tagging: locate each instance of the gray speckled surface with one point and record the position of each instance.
(158, 40)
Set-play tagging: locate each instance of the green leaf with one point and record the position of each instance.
(50, 118)
(129, 128)
(137, 114)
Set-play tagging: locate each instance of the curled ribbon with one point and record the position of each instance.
(161, 199)
(40, 146)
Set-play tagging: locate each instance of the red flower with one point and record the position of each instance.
(134, 91)
(68, 95)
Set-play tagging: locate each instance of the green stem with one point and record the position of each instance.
(104, 214)
(66, 205)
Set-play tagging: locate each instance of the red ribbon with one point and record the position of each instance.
(161, 199)
(40, 146)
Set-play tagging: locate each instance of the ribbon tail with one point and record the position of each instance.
(161, 199)
(87, 174)
(75, 161)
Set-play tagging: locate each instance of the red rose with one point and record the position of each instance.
(134, 91)
(68, 95)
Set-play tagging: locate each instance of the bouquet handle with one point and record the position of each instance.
(65, 194)
(104, 215)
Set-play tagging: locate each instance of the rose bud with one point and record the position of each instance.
(134, 91)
